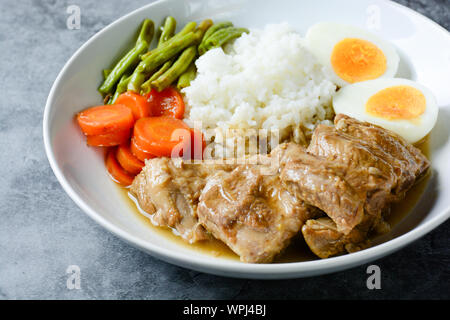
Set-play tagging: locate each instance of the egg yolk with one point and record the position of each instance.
(397, 103)
(356, 60)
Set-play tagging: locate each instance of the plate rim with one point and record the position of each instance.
(223, 267)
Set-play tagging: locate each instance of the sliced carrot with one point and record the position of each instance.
(105, 119)
(138, 104)
(162, 136)
(117, 173)
(168, 102)
(198, 144)
(127, 160)
(109, 139)
(139, 153)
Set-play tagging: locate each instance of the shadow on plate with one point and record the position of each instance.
(441, 132)
(419, 213)
(405, 67)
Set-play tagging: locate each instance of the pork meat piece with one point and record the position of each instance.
(321, 183)
(253, 213)
(379, 163)
(412, 161)
(366, 169)
(168, 190)
(324, 240)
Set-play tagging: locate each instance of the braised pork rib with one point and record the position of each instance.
(335, 192)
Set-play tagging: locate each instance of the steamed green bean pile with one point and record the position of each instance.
(172, 61)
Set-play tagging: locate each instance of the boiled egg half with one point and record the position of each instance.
(399, 105)
(352, 54)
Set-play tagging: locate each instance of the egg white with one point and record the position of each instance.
(323, 37)
(351, 100)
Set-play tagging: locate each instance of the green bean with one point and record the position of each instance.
(187, 28)
(190, 26)
(106, 73)
(131, 58)
(122, 66)
(177, 69)
(201, 49)
(211, 31)
(222, 36)
(203, 28)
(139, 76)
(216, 27)
(165, 79)
(147, 32)
(186, 78)
(112, 98)
(121, 88)
(168, 30)
(122, 85)
(146, 86)
(159, 56)
(136, 80)
(190, 72)
(166, 66)
(163, 53)
(167, 51)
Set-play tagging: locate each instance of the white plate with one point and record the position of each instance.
(425, 51)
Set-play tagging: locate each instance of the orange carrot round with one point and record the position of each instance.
(109, 139)
(117, 173)
(162, 135)
(127, 160)
(137, 151)
(105, 119)
(168, 102)
(139, 105)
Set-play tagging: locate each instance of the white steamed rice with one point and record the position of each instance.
(264, 80)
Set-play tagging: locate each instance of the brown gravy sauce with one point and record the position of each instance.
(212, 247)
(297, 251)
(401, 209)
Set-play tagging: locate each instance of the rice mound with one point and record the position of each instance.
(266, 79)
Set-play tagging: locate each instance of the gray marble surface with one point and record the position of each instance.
(42, 231)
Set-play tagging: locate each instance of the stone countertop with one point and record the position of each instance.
(42, 231)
